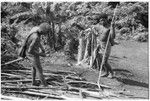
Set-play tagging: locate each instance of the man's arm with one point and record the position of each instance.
(104, 35)
(113, 35)
(31, 50)
(42, 49)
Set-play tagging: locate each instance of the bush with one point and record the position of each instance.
(141, 37)
(124, 30)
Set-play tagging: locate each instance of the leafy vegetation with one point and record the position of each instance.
(17, 18)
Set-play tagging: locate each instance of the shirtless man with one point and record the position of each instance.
(35, 50)
(103, 30)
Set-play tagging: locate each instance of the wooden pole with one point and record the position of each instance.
(80, 49)
(15, 81)
(31, 87)
(8, 74)
(86, 49)
(10, 62)
(3, 97)
(98, 81)
(85, 82)
(87, 45)
(92, 47)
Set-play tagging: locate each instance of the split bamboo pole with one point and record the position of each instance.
(99, 77)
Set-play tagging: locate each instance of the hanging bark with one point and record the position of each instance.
(87, 44)
(95, 40)
(97, 58)
(92, 49)
(81, 47)
(93, 46)
(88, 47)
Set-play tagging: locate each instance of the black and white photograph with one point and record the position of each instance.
(74, 50)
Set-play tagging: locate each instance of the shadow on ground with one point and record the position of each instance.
(127, 80)
(121, 70)
(133, 82)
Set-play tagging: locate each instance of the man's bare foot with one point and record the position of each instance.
(35, 84)
(78, 64)
(116, 43)
(44, 84)
(110, 75)
(104, 74)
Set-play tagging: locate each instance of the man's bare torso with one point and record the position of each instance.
(36, 46)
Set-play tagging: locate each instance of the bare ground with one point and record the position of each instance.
(129, 61)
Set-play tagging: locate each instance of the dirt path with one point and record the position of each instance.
(132, 57)
(129, 60)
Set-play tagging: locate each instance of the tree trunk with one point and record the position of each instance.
(51, 36)
(59, 37)
(69, 48)
(133, 26)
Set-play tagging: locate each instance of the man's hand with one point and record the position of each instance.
(42, 54)
(113, 24)
(43, 51)
(115, 43)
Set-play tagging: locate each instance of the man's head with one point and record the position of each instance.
(44, 28)
(103, 19)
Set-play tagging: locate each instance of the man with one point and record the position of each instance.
(103, 29)
(34, 50)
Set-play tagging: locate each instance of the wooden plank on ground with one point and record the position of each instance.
(14, 75)
(38, 94)
(84, 93)
(94, 93)
(30, 87)
(15, 70)
(46, 73)
(10, 62)
(102, 85)
(45, 91)
(3, 97)
(15, 81)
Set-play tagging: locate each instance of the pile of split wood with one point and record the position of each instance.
(62, 85)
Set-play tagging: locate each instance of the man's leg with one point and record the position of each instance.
(40, 71)
(33, 76)
(33, 73)
(109, 70)
(41, 76)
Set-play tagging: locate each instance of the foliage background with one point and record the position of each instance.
(17, 18)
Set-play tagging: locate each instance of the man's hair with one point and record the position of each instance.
(98, 17)
(106, 17)
(103, 16)
(44, 27)
(78, 26)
